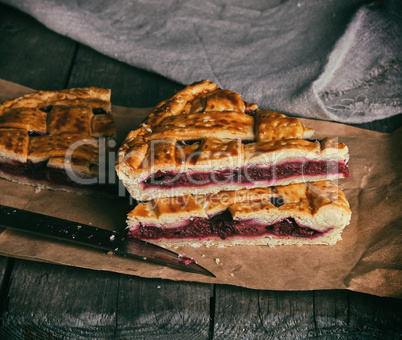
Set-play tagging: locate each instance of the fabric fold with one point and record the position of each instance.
(362, 80)
(332, 60)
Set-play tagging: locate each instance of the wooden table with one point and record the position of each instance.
(44, 301)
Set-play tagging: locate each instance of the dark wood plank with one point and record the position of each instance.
(331, 313)
(162, 309)
(243, 313)
(6, 265)
(130, 86)
(32, 55)
(345, 314)
(288, 314)
(374, 317)
(3, 268)
(47, 301)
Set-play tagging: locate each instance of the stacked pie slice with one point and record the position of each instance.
(53, 139)
(297, 214)
(209, 168)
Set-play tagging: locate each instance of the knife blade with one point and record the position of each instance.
(94, 237)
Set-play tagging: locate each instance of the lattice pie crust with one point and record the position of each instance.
(205, 140)
(45, 134)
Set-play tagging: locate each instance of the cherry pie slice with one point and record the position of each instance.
(296, 214)
(52, 139)
(205, 140)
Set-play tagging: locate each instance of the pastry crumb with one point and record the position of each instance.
(217, 261)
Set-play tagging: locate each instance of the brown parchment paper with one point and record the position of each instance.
(368, 259)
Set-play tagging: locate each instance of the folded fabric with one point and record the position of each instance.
(334, 60)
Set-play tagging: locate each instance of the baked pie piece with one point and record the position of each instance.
(52, 139)
(205, 140)
(296, 214)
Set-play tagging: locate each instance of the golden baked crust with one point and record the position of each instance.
(14, 145)
(272, 125)
(211, 124)
(70, 120)
(41, 99)
(140, 161)
(41, 148)
(28, 119)
(60, 128)
(321, 206)
(207, 129)
(203, 110)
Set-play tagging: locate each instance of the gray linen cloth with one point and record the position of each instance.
(338, 60)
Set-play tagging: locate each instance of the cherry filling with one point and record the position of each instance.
(250, 112)
(223, 226)
(41, 172)
(246, 175)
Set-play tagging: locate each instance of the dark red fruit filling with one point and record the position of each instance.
(246, 175)
(250, 112)
(186, 260)
(41, 172)
(223, 226)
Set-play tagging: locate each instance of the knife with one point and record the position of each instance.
(94, 237)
